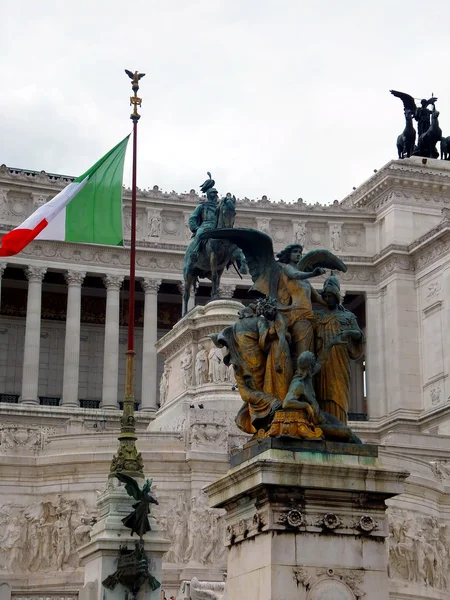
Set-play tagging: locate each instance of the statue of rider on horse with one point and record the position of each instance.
(209, 258)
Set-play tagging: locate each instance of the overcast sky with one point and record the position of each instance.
(288, 98)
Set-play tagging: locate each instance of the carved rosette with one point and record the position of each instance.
(74, 278)
(303, 521)
(35, 274)
(151, 286)
(113, 282)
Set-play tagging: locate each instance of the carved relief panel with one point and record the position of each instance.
(353, 238)
(281, 233)
(317, 236)
(172, 226)
(434, 367)
(419, 549)
(16, 207)
(245, 222)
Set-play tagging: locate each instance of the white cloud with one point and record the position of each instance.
(288, 99)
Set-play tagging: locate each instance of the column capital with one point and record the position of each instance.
(150, 286)
(74, 277)
(35, 273)
(113, 282)
(226, 290)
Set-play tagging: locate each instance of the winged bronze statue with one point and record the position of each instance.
(138, 520)
(409, 102)
(421, 113)
(259, 254)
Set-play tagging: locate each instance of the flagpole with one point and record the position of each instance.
(128, 460)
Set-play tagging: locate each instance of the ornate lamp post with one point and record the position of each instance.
(128, 460)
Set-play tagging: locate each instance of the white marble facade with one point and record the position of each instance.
(393, 232)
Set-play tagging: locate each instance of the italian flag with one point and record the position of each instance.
(88, 210)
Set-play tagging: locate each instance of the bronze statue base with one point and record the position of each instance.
(293, 423)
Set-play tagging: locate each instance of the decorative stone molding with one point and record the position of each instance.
(296, 518)
(113, 281)
(329, 582)
(74, 278)
(151, 286)
(35, 273)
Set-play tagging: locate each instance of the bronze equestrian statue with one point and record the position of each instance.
(208, 259)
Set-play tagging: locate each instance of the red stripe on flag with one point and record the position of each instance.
(16, 240)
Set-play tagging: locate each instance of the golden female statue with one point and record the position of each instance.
(336, 324)
(296, 293)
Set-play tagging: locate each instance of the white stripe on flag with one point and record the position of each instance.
(51, 209)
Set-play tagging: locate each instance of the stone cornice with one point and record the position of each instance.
(172, 200)
(432, 178)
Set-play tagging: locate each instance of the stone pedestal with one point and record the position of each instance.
(196, 380)
(306, 521)
(100, 556)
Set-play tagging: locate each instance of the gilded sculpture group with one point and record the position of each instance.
(291, 363)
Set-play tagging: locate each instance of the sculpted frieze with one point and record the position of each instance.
(441, 470)
(208, 437)
(197, 533)
(44, 536)
(102, 256)
(419, 549)
(432, 254)
(394, 264)
(14, 437)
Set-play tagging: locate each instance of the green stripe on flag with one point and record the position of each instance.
(95, 214)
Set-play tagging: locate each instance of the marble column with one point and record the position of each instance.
(376, 354)
(72, 345)
(113, 284)
(149, 354)
(30, 373)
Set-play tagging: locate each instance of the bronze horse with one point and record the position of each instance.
(407, 139)
(428, 141)
(214, 257)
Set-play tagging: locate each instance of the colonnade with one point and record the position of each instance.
(70, 396)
